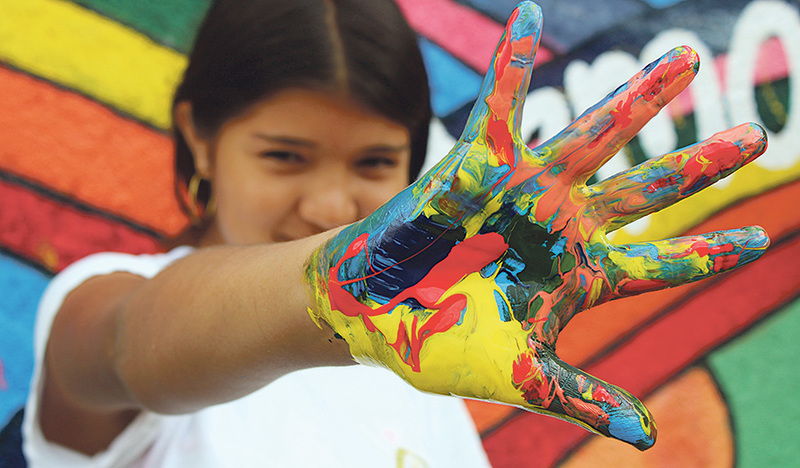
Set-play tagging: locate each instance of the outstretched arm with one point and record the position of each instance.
(462, 283)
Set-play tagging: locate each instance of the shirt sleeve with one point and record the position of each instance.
(138, 436)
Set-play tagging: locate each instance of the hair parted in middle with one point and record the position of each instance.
(247, 50)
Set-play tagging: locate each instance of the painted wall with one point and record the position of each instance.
(85, 166)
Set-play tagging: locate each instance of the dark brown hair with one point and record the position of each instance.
(247, 50)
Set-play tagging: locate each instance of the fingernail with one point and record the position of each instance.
(755, 141)
(743, 246)
(526, 20)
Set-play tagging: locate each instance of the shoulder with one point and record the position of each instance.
(105, 263)
(95, 265)
(146, 265)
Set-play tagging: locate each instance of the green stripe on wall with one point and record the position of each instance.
(758, 374)
(172, 23)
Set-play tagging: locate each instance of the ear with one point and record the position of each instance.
(198, 144)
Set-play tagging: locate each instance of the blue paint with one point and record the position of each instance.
(558, 246)
(662, 3)
(425, 243)
(502, 307)
(489, 270)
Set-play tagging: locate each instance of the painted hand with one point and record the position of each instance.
(462, 282)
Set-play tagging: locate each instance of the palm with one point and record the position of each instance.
(462, 283)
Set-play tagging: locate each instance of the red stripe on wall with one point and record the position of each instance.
(54, 234)
(74, 145)
(465, 33)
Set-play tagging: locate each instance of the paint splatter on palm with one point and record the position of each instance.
(462, 283)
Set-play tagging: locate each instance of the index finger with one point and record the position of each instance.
(497, 111)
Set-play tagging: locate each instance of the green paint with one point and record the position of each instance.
(759, 373)
(530, 240)
(172, 23)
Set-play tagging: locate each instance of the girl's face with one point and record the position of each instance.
(299, 163)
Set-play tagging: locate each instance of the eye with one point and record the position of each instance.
(377, 167)
(285, 157)
(376, 162)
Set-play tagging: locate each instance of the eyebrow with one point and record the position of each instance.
(287, 140)
(387, 148)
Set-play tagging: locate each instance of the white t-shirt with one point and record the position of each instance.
(327, 417)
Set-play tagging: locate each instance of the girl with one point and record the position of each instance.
(460, 283)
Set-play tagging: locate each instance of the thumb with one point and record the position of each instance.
(550, 386)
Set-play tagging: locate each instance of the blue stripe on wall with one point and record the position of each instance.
(452, 83)
(21, 287)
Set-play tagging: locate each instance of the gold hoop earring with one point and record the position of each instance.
(198, 213)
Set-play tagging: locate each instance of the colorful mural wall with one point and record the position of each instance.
(85, 166)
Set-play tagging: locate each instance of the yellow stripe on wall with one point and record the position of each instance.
(81, 50)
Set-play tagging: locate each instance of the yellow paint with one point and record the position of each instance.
(703, 161)
(409, 459)
(641, 267)
(647, 428)
(636, 266)
(472, 359)
(477, 354)
(82, 50)
(595, 290)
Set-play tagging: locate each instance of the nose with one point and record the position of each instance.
(328, 203)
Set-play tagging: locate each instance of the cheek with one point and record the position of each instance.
(253, 206)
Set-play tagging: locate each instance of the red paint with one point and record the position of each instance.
(660, 184)
(501, 100)
(631, 287)
(703, 248)
(599, 393)
(409, 342)
(529, 377)
(621, 113)
(466, 257)
(649, 89)
(725, 262)
(585, 411)
(501, 142)
(699, 167)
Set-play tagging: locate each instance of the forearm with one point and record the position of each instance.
(219, 324)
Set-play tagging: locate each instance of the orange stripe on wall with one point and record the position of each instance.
(74, 145)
